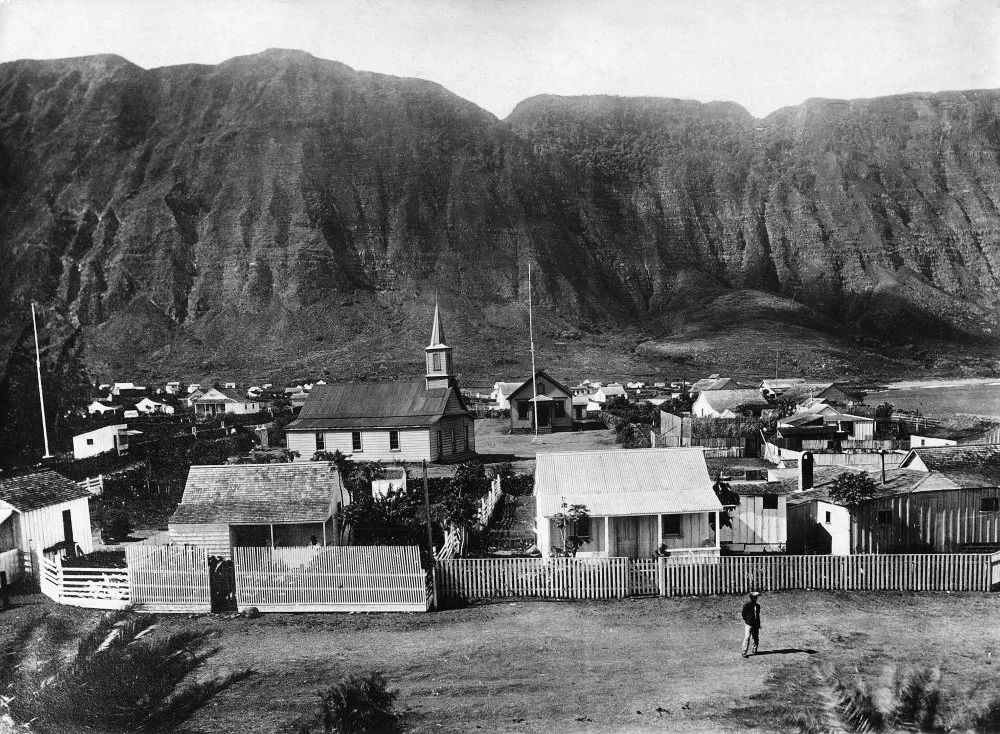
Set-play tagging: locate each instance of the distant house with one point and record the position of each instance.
(42, 513)
(714, 383)
(582, 389)
(549, 399)
(979, 432)
(727, 403)
(277, 505)
(604, 394)
(501, 394)
(219, 401)
(580, 403)
(393, 481)
(393, 421)
(821, 430)
(637, 500)
(147, 405)
(109, 438)
(775, 388)
(189, 400)
(100, 408)
(172, 388)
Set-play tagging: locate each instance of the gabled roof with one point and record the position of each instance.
(227, 393)
(715, 383)
(632, 482)
(299, 492)
(722, 400)
(898, 481)
(377, 405)
(506, 388)
(963, 466)
(541, 374)
(782, 384)
(41, 489)
(828, 390)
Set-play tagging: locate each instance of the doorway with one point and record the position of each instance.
(544, 414)
(626, 536)
(67, 518)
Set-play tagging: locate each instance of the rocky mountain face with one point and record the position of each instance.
(279, 212)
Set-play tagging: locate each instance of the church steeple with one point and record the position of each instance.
(438, 356)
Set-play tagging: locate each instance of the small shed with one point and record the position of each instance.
(109, 438)
(42, 511)
(759, 521)
(276, 505)
(637, 500)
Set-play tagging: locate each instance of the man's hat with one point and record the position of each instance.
(754, 594)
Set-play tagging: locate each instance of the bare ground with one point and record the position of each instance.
(668, 665)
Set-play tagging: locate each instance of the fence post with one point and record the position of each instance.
(4, 598)
(661, 574)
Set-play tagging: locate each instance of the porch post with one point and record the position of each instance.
(272, 535)
(659, 530)
(718, 531)
(324, 534)
(607, 535)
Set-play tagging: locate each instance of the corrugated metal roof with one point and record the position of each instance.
(41, 489)
(259, 493)
(626, 482)
(374, 405)
(715, 383)
(722, 400)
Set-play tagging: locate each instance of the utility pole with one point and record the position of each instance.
(531, 340)
(776, 363)
(38, 370)
(427, 511)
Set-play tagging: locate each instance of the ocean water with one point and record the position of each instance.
(943, 401)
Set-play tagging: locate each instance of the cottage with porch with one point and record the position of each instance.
(550, 400)
(393, 421)
(636, 499)
(248, 505)
(219, 401)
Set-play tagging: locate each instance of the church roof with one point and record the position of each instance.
(376, 405)
(437, 331)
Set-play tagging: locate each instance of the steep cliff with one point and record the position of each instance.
(279, 212)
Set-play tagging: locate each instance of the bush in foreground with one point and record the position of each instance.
(358, 704)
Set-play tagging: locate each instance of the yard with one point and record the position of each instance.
(636, 665)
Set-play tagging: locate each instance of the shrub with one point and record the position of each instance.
(358, 704)
(115, 526)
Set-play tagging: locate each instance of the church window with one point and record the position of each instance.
(320, 442)
(394, 440)
(356, 440)
(436, 359)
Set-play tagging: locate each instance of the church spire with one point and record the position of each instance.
(438, 356)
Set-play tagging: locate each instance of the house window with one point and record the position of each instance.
(440, 445)
(356, 440)
(884, 517)
(540, 388)
(451, 435)
(829, 517)
(989, 504)
(770, 501)
(559, 408)
(320, 442)
(672, 525)
(90, 442)
(582, 528)
(522, 410)
(466, 435)
(436, 360)
(394, 440)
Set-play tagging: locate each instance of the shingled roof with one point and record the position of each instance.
(722, 400)
(41, 489)
(957, 466)
(376, 405)
(259, 493)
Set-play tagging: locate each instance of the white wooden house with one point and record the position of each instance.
(277, 505)
(727, 403)
(548, 398)
(108, 438)
(39, 513)
(605, 393)
(637, 500)
(219, 401)
(392, 421)
(758, 524)
(148, 405)
(500, 394)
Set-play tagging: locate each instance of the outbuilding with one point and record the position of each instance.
(41, 513)
(108, 438)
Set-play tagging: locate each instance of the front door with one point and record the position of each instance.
(67, 518)
(626, 531)
(544, 411)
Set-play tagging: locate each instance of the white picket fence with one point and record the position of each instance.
(168, 578)
(94, 588)
(488, 504)
(454, 537)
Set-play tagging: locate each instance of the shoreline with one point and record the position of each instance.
(939, 383)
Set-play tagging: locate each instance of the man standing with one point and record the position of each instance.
(751, 624)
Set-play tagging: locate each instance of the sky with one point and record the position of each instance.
(762, 54)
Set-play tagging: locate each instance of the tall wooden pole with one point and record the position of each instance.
(427, 511)
(38, 370)
(531, 341)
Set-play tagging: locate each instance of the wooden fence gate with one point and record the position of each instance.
(331, 579)
(168, 578)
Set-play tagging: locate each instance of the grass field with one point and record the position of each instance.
(667, 665)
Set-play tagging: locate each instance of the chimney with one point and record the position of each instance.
(805, 471)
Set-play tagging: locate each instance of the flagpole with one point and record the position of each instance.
(38, 370)
(531, 340)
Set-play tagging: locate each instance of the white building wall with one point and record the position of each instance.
(755, 526)
(42, 528)
(103, 438)
(414, 444)
(213, 537)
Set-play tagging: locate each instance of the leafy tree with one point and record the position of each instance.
(884, 411)
(122, 677)
(852, 488)
(724, 491)
(567, 521)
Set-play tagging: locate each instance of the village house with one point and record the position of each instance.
(550, 400)
(728, 403)
(829, 392)
(605, 393)
(148, 406)
(394, 480)
(771, 389)
(41, 514)
(394, 421)
(108, 438)
(581, 405)
(220, 401)
(813, 431)
(256, 505)
(98, 407)
(189, 400)
(636, 500)
(714, 382)
(501, 394)
(758, 524)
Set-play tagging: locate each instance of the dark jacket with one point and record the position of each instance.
(751, 613)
